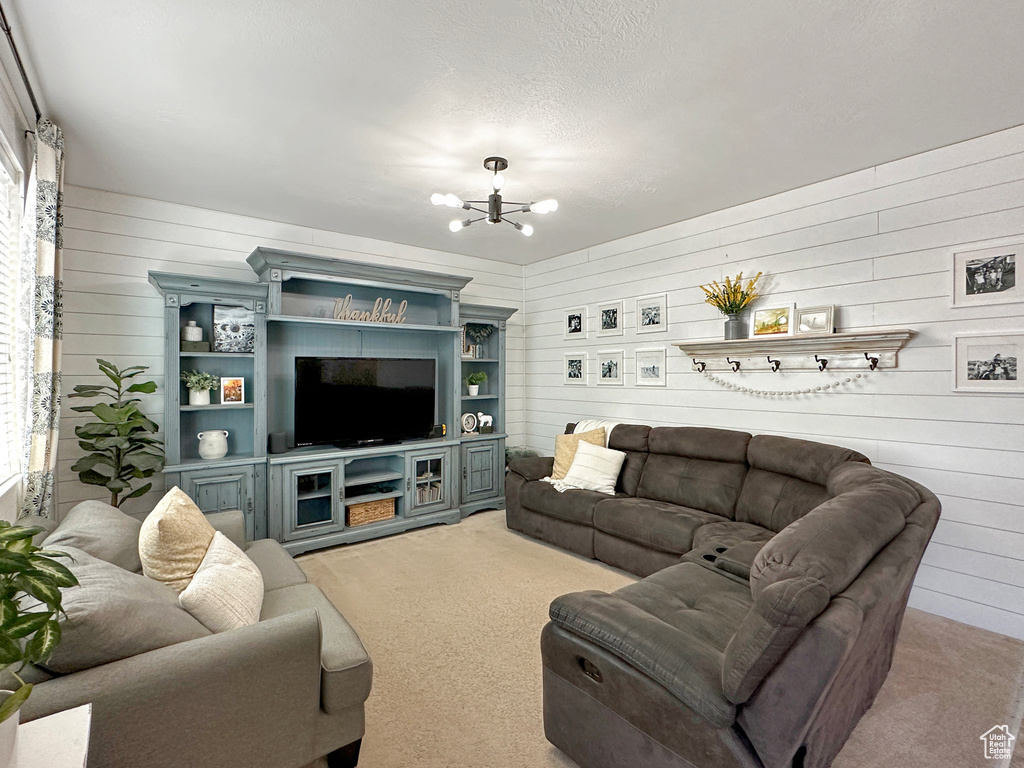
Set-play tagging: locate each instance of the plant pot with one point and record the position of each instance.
(8, 733)
(213, 443)
(735, 328)
(199, 397)
(474, 389)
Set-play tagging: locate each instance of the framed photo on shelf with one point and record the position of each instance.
(814, 321)
(609, 319)
(574, 369)
(234, 329)
(650, 367)
(609, 368)
(987, 276)
(574, 323)
(652, 314)
(232, 389)
(772, 321)
(988, 362)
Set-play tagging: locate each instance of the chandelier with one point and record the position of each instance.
(495, 211)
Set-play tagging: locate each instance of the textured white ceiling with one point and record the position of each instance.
(348, 115)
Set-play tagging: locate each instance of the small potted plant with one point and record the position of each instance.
(478, 333)
(731, 299)
(30, 602)
(473, 382)
(199, 386)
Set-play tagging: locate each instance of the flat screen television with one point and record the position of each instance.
(358, 400)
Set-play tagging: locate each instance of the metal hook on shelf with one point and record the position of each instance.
(701, 365)
(776, 364)
(821, 361)
(734, 363)
(872, 361)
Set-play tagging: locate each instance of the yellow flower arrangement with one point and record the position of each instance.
(732, 297)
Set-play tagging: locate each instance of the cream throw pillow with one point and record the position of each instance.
(227, 590)
(174, 539)
(595, 468)
(565, 449)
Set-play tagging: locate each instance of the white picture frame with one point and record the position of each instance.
(988, 362)
(650, 367)
(610, 319)
(574, 323)
(574, 369)
(652, 313)
(984, 276)
(232, 389)
(815, 321)
(609, 368)
(776, 316)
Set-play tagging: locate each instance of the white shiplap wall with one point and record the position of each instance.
(110, 310)
(876, 243)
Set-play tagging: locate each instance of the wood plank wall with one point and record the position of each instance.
(878, 244)
(111, 311)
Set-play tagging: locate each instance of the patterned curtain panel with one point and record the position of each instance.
(39, 322)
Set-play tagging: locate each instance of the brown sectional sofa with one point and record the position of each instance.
(778, 572)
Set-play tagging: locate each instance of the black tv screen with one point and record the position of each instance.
(355, 400)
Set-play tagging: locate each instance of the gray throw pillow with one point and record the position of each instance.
(102, 531)
(113, 614)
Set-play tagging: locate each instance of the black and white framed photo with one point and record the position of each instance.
(574, 324)
(988, 362)
(772, 321)
(574, 369)
(609, 368)
(814, 321)
(987, 276)
(234, 329)
(652, 314)
(650, 367)
(609, 319)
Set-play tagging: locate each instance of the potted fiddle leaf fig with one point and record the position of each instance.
(30, 603)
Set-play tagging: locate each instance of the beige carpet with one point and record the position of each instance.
(451, 616)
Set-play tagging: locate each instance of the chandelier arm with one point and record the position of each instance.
(478, 202)
(474, 221)
(478, 210)
(519, 205)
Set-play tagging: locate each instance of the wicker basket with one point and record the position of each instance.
(371, 512)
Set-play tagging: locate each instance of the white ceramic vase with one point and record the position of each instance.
(213, 443)
(474, 389)
(199, 397)
(191, 332)
(8, 733)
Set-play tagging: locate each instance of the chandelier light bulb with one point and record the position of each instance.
(452, 201)
(455, 225)
(498, 182)
(526, 229)
(544, 206)
(437, 198)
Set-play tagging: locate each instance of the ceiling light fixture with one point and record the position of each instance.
(495, 211)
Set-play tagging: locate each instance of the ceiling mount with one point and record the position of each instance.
(495, 212)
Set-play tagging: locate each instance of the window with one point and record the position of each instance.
(9, 444)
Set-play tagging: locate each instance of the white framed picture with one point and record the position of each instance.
(652, 314)
(609, 368)
(232, 389)
(650, 367)
(814, 321)
(988, 362)
(987, 276)
(574, 323)
(609, 319)
(772, 321)
(574, 369)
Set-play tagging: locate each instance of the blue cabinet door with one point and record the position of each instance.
(218, 490)
(480, 477)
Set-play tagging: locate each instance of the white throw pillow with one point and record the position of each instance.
(595, 468)
(227, 589)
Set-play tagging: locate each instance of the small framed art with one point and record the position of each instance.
(772, 321)
(574, 369)
(234, 329)
(650, 367)
(232, 389)
(814, 321)
(609, 368)
(987, 276)
(574, 324)
(652, 314)
(988, 363)
(609, 319)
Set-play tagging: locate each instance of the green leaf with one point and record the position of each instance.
(116, 485)
(14, 701)
(94, 429)
(39, 585)
(90, 462)
(147, 387)
(12, 562)
(26, 624)
(42, 645)
(114, 441)
(61, 576)
(17, 532)
(10, 651)
(107, 413)
(8, 610)
(91, 477)
(138, 492)
(142, 460)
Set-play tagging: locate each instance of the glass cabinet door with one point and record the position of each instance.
(427, 484)
(313, 500)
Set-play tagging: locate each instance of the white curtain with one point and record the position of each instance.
(38, 350)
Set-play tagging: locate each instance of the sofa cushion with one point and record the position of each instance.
(565, 449)
(277, 567)
(533, 468)
(573, 506)
(113, 614)
(595, 469)
(174, 539)
(347, 670)
(728, 533)
(102, 531)
(654, 524)
(632, 440)
(226, 591)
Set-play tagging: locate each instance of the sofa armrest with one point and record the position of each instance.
(249, 696)
(533, 468)
(231, 523)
